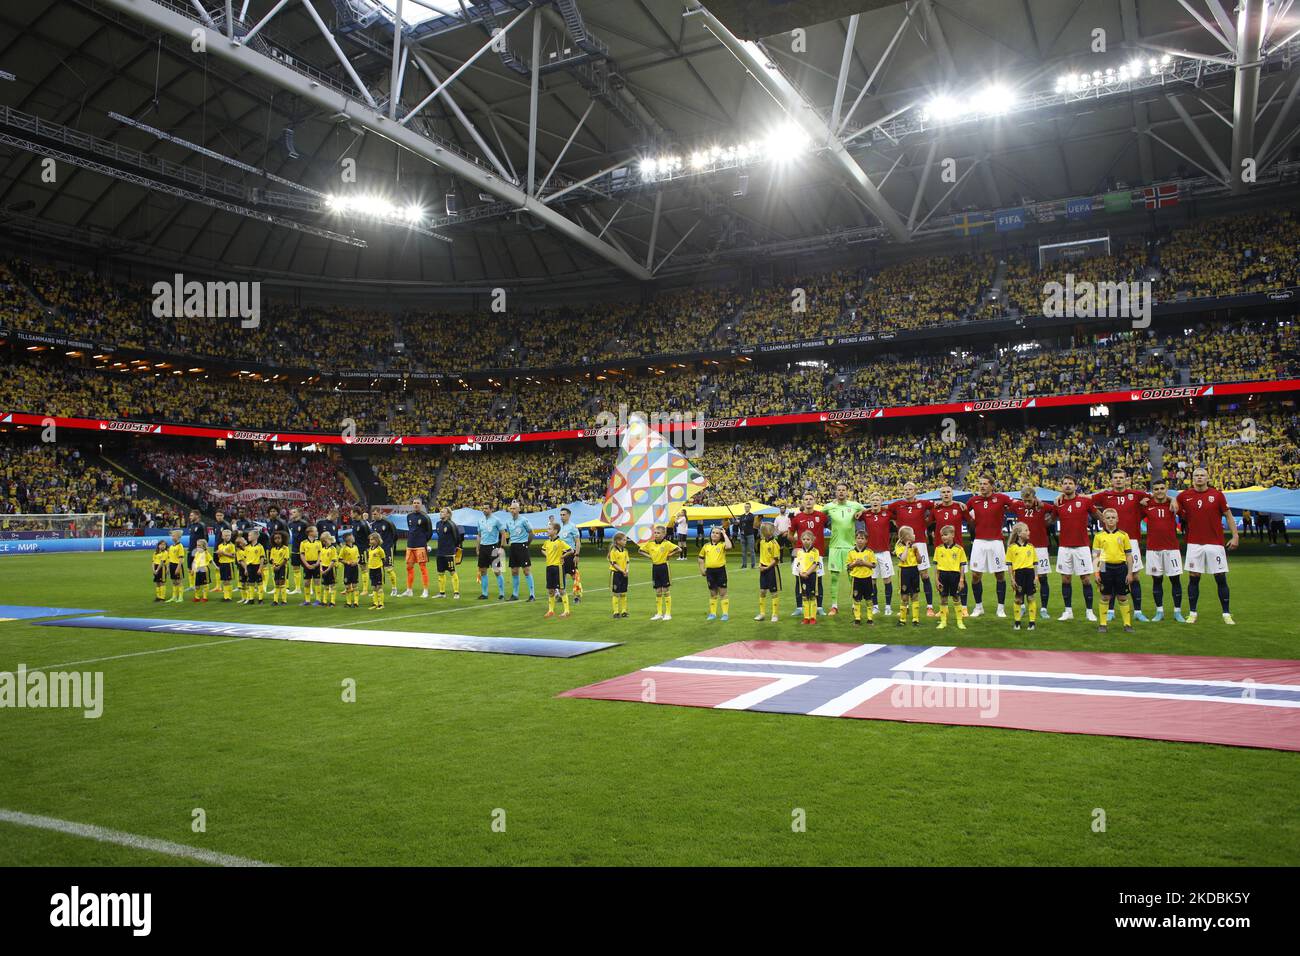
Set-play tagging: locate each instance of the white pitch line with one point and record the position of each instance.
(471, 605)
(121, 838)
(118, 657)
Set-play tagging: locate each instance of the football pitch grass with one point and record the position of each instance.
(438, 746)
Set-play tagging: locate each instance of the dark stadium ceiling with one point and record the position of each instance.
(649, 81)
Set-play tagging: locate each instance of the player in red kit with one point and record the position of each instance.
(1163, 559)
(1127, 503)
(1203, 509)
(912, 512)
(878, 524)
(1035, 515)
(808, 518)
(1073, 555)
(986, 511)
(951, 513)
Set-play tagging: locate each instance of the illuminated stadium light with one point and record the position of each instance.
(994, 99)
(782, 144)
(371, 206)
(1113, 78)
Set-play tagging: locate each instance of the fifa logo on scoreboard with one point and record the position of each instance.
(208, 300)
(1092, 300)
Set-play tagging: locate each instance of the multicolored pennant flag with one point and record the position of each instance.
(1166, 194)
(651, 482)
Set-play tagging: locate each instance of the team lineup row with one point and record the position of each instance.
(841, 537)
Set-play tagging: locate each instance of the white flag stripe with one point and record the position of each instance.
(839, 660)
(927, 656)
(851, 698)
(1177, 681)
(1091, 691)
(760, 694)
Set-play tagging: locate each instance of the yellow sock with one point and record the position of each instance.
(726, 606)
(857, 610)
(713, 605)
(442, 582)
(659, 604)
(668, 604)
(1033, 608)
(622, 603)
(902, 613)
(1126, 612)
(566, 604)
(297, 578)
(943, 613)
(762, 605)
(550, 603)
(455, 582)
(776, 606)
(1016, 611)
(613, 600)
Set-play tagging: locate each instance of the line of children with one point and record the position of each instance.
(324, 561)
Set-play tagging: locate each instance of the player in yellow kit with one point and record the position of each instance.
(329, 559)
(201, 570)
(350, 558)
(279, 568)
(226, 563)
(950, 559)
(713, 568)
(376, 557)
(160, 571)
(554, 549)
(309, 554)
(861, 565)
(909, 576)
(254, 558)
(175, 564)
(1112, 557)
(769, 572)
(807, 562)
(1022, 559)
(619, 559)
(659, 549)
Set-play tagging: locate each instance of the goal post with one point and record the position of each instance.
(33, 533)
(1051, 253)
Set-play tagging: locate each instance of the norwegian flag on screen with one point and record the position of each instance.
(1222, 700)
(1166, 194)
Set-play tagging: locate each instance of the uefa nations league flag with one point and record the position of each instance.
(650, 484)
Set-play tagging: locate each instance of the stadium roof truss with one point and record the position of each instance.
(533, 123)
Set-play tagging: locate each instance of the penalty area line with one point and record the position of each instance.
(131, 840)
(157, 650)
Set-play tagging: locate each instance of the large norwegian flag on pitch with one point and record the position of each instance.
(1223, 700)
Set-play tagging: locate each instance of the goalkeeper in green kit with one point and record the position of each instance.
(843, 515)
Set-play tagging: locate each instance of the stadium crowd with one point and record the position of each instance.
(1211, 257)
(50, 479)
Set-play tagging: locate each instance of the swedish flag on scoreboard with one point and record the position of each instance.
(970, 224)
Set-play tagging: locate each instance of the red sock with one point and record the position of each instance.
(424, 575)
(410, 576)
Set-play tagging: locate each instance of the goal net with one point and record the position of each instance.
(30, 532)
(1054, 252)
